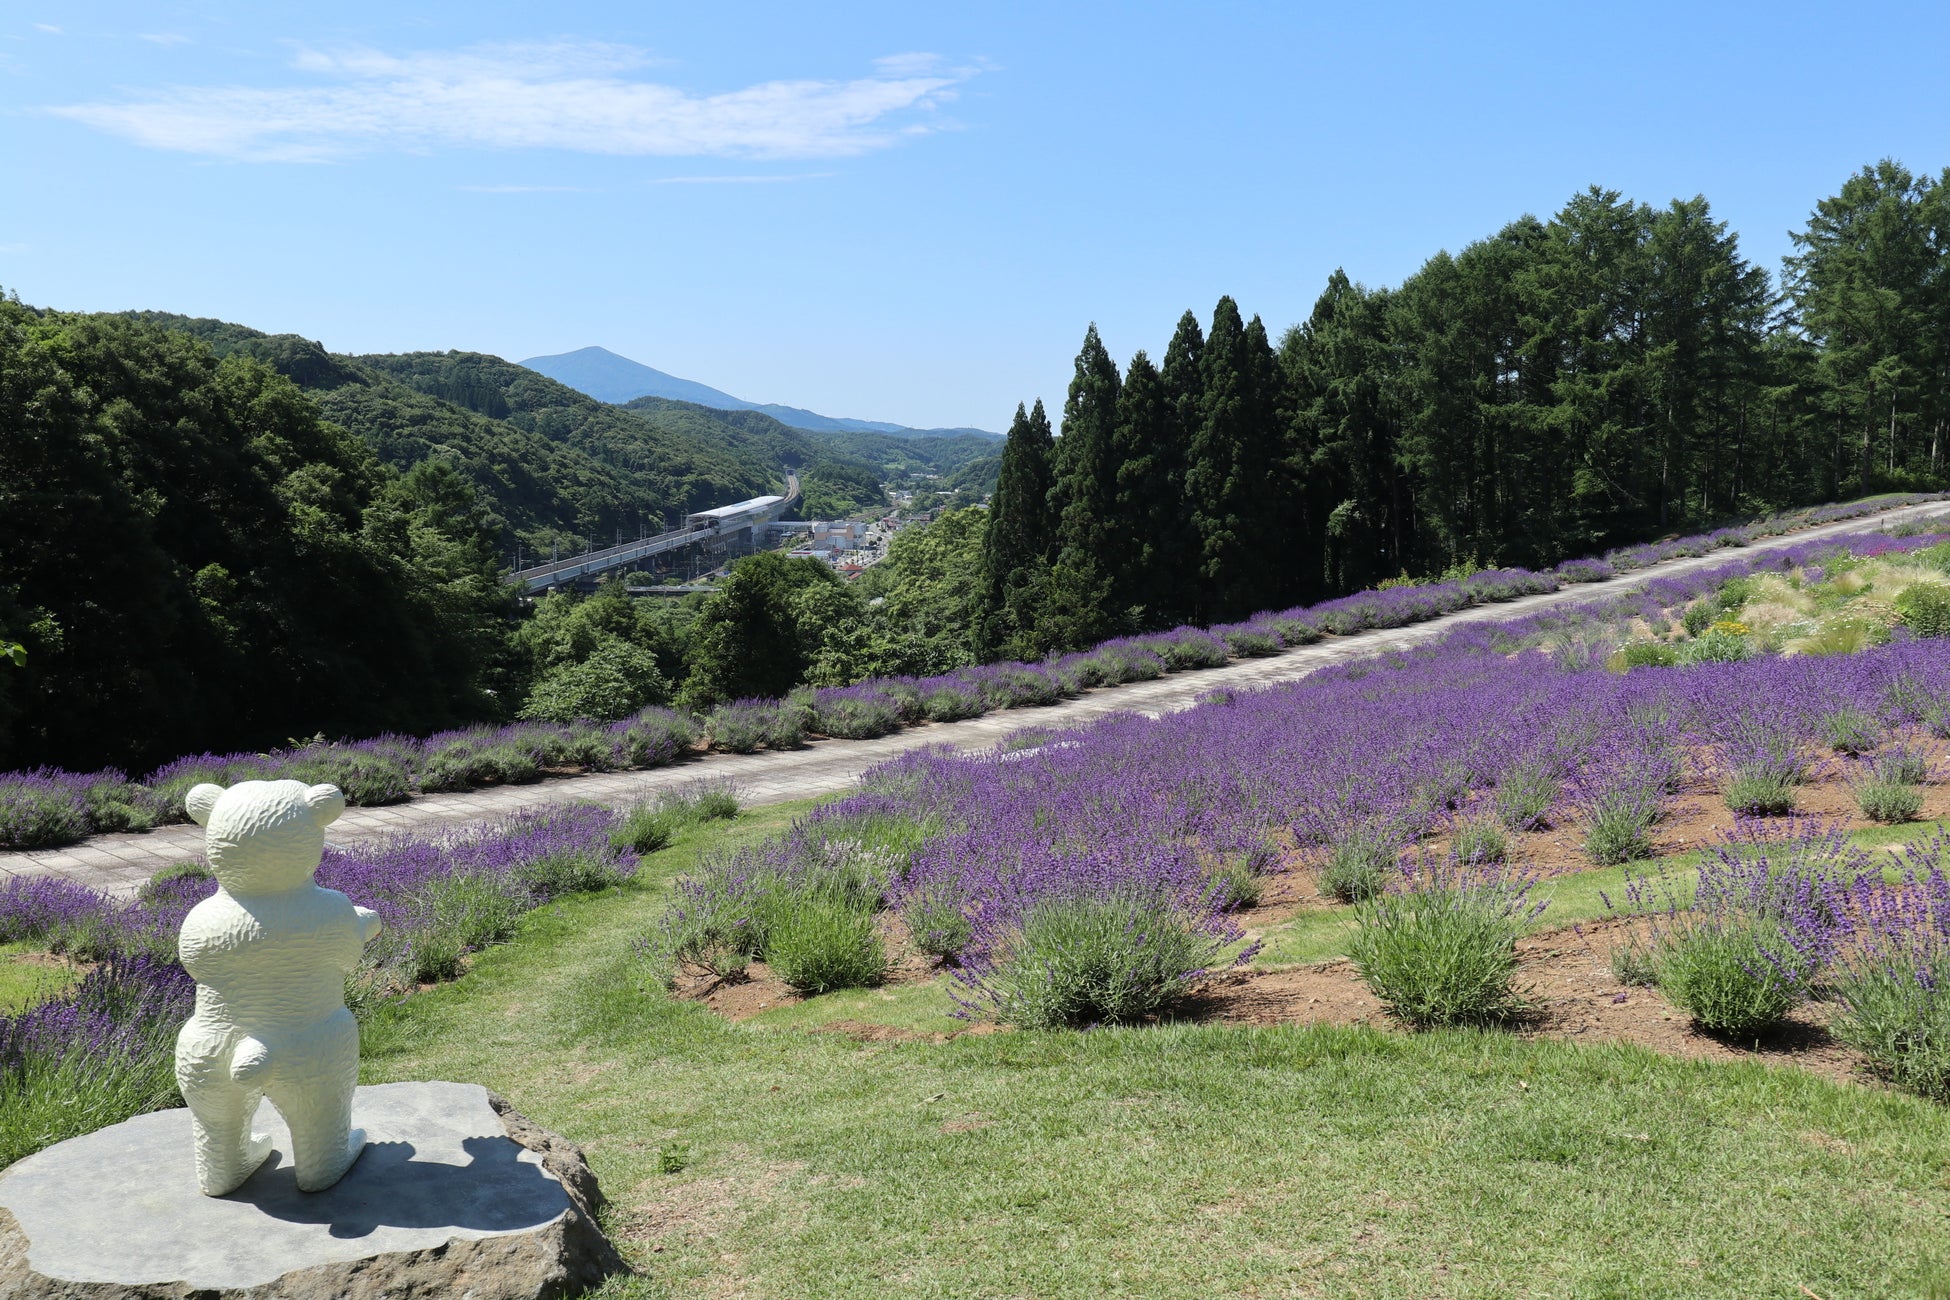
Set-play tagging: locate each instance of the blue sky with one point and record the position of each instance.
(892, 211)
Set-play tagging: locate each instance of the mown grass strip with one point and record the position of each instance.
(1182, 1161)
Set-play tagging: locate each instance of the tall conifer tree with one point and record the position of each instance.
(1235, 470)
(1150, 501)
(1092, 542)
(1017, 543)
(1175, 584)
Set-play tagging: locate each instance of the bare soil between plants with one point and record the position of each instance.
(1564, 976)
(1565, 972)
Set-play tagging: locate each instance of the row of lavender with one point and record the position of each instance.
(1093, 877)
(101, 1051)
(49, 807)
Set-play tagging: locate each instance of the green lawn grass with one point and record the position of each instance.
(1188, 1160)
(1575, 897)
(24, 983)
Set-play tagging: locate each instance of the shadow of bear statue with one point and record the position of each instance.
(270, 951)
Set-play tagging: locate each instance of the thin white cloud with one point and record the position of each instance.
(164, 38)
(49, 28)
(577, 96)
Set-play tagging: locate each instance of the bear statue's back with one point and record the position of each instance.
(272, 960)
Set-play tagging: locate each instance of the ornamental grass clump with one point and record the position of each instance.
(741, 726)
(823, 944)
(1761, 753)
(1440, 946)
(1889, 802)
(116, 803)
(366, 778)
(1887, 784)
(705, 799)
(478, 756)
(1618, 825)
(652, 738)
(453, 916)
(1760, 796)
(1187, 648)
(936, 915)
(1481, 842)
(646, 828)
(1850, 730)
(1239, 884)
(736, 907)
(949, 699)
(1621, 794)
(1251, 639)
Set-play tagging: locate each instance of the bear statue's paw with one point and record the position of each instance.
(222, 1177)
(317, 1180)
(250, 1062)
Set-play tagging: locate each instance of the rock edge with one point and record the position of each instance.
(562, 1258)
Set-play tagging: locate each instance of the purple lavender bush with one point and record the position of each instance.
(1767, 916)
(42, 808)
(1891, 983)
(653, 738)
(855, 712)
(740, 726)
(91, 1057)
(1066, 943)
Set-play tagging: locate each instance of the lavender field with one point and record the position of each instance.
(47, 807)
(1429, 804)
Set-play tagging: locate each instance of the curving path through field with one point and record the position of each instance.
(120, 863)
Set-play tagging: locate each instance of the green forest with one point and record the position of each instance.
(1609, 374)
(212, 537)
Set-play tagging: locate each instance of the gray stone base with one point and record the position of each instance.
(456, 1195)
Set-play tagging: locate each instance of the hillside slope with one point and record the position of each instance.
(557, 466)
(194, 558)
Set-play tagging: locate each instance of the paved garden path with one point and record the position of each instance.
(120, 863)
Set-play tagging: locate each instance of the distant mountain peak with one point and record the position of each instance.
(607, 377)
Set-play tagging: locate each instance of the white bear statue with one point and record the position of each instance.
(270, 951)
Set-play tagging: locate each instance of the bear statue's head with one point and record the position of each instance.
(264, 837)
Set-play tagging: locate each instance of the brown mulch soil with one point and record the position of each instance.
(1566, 973)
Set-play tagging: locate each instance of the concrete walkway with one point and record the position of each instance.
(120, 863)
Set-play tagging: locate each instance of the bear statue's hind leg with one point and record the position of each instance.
(221, 1109)
(316, 1101)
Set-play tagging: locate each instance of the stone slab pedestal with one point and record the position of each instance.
(456, 1195)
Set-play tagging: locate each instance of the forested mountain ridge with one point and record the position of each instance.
(555, 466)
(607, 377)
(847, 467)
(656, 437)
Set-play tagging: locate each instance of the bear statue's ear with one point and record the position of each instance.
(326, 803)
(201, 801)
